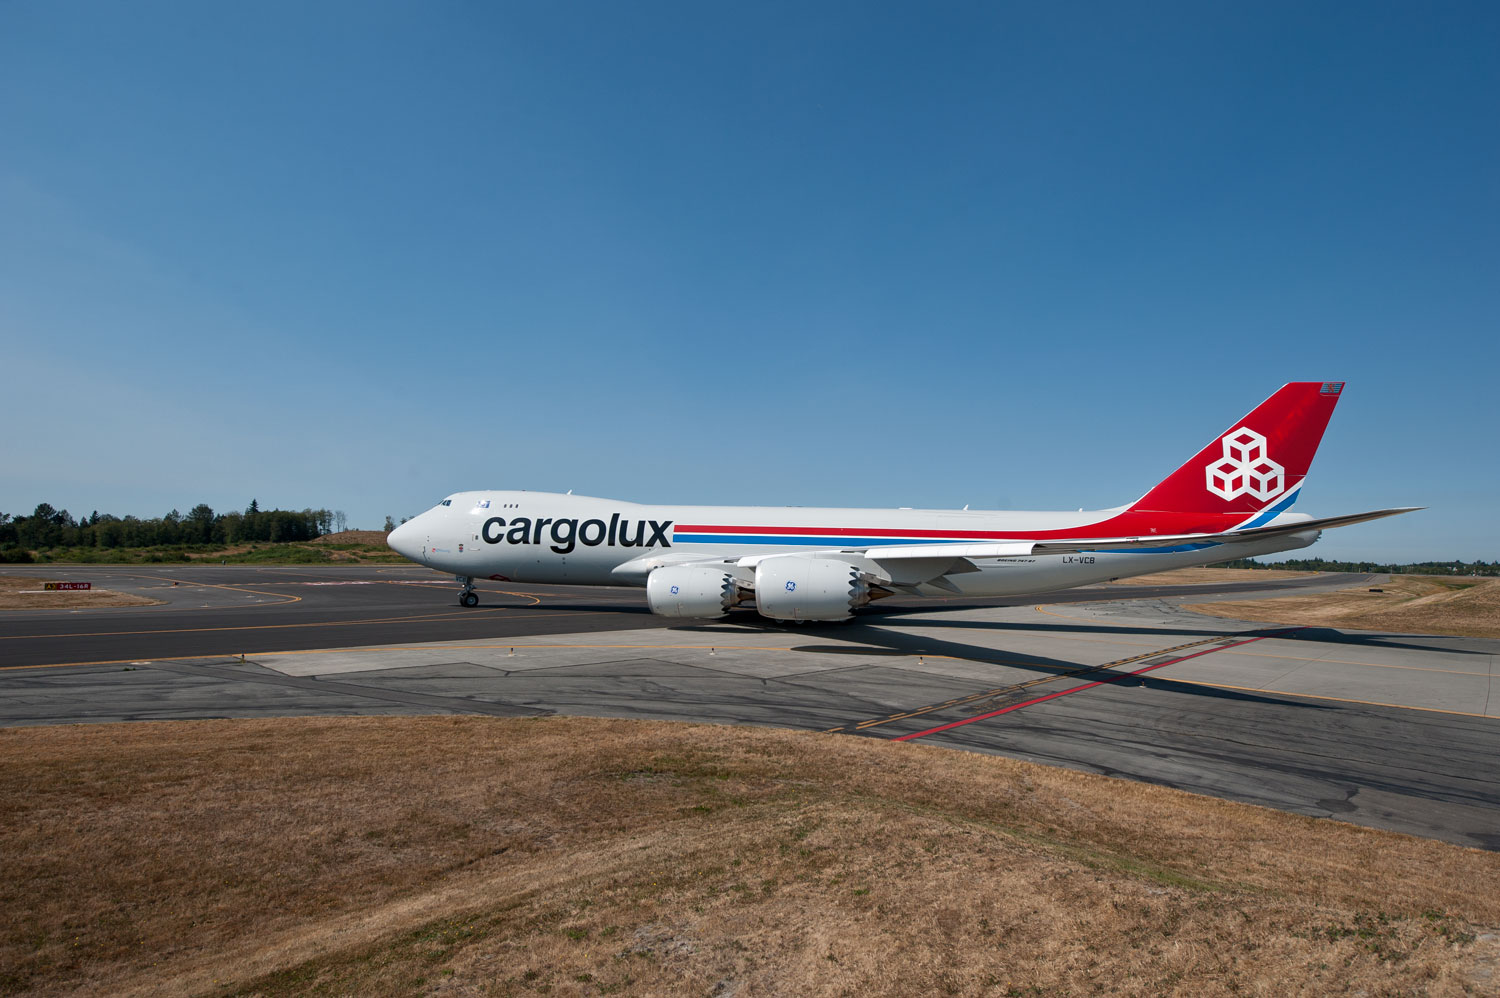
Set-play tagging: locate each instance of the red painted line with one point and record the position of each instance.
(1089, 686)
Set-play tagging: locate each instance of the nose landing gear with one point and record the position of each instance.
(468, 597)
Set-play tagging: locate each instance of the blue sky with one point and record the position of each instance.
(362, 255)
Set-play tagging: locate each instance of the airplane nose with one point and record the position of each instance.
(405, 541)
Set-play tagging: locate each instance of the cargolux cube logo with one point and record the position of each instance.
(1245, 470)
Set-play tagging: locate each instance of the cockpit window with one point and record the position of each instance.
(446, 502)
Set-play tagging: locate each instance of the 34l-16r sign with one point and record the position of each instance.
(67, 585)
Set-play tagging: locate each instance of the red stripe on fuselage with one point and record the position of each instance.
(1130, 523)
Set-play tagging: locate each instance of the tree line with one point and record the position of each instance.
(1384, 568)
(47, 527)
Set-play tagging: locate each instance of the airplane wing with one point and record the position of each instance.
(1021, 548)
(913, 564)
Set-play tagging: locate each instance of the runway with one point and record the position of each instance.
(1390, 731)
(247, 610)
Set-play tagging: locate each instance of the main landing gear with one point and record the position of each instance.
(468, 597)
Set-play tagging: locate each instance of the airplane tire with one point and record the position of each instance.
(469, 599)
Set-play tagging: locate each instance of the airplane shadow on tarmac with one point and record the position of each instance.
(878, 641)
(866, 623)
(1327, 635)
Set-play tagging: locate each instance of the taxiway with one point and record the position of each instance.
(1392, 731)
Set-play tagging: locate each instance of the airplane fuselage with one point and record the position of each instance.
(1232, 499)
(546, 537)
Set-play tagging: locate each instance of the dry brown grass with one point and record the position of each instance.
(574, 856)
(1409, 604)
(1204, 576)
(14, 594)
(374, 538)
(351, 546)
(227, 550)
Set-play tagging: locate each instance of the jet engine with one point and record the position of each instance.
(692, 591)
(797, 588)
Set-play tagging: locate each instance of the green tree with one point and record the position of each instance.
(44, 527)
(251, 529)
(200, 524)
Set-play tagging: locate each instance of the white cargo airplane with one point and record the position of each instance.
(1230, 501)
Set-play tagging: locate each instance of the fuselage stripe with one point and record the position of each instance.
(862, 533)
(859, 542)
(831, 540)
(1267, 515)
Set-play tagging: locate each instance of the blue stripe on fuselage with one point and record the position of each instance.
(861, 542)
(811, 541)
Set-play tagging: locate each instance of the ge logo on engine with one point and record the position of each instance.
(674, 590)
(791, 587)
(1245, 470)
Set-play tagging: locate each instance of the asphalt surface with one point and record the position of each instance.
(1390, 731)
(248, 610)
(243, 609)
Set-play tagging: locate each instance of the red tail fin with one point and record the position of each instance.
(1260, 461)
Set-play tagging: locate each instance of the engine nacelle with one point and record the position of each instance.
(691, 591)
(796, 588)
